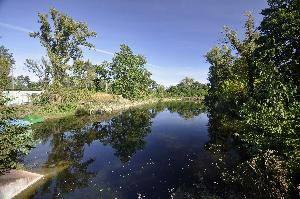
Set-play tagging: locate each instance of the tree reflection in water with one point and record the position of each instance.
(186, 110)
(125, 134)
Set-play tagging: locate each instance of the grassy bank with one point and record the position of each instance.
(97, 103)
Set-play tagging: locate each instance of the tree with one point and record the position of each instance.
(63, 39)
(42, 69)
(84, 74)
(6, 63)
(188, 87)
(158, 90)
(245, 49)
(255, 93)
(232, 77)
(275, 107)
(22, 82)
(127, 74)
(280, 40)
(15, 140)
(103, 79)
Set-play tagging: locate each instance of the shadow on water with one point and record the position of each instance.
(158, 151)
(244, 174)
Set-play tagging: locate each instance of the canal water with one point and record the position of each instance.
(157, 151)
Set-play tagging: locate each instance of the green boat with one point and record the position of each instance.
(33, 119)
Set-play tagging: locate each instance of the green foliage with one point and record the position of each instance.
(231, 76)
(6, 63)
(84, 74)
(280, 40)
(274, 108)
(62, 100)
(62, 38)
(259, 87)
(103, 79)
(188, 87)
(22, 83)
(15, 140)
(5, 111)
(54, 95)
(8, 137)
(130, 77)
(126, 74)
(158, 90)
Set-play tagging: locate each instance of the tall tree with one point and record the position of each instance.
(268, 110)
(63, 38)
(129, 76)
(280, 40)
(245, 49)
(275, 108)
(6, 63)
(232, 76)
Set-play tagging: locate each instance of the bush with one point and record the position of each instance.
(61, 95)
(15, 141)
(81, 111)
(263, 176)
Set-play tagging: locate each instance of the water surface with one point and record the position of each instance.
(150, 152)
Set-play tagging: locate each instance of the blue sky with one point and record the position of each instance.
(174, 35)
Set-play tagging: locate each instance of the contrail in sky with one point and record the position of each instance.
(103, 51)
(21, 29)
(159, 71)
(17, 28)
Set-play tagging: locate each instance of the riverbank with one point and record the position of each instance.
(98, 104)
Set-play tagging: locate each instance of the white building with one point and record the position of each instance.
(19, 97)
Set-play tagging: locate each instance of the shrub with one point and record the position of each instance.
(263, 176)
(81, 111)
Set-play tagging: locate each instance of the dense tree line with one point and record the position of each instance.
(22, 82)
(188, 87)
(256, 81)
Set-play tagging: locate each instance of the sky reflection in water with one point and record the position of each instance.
(151, 152)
